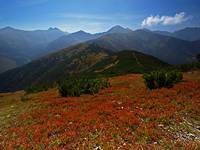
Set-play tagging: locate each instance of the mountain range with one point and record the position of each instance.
(80, 59)
(47, 55)
(168, 49)
(81, 36)
(18, 47)
(188, 34)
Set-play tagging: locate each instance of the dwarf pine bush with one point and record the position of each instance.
(198, 57)
(76, 87)
(159, 79)
(36, 89)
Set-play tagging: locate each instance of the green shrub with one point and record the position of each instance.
(149, 80)
(186, 67)
(39, 87)
(78, 86)
(68, 87)
(198, 65)
(159, 79)
(36, 89)
(198, 57)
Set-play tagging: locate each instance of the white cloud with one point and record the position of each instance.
(165, 20)
(152, 20)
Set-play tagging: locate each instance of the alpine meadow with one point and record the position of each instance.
(99, 75)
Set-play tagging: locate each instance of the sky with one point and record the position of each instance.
(99, 15)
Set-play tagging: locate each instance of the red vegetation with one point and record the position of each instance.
(125, 116)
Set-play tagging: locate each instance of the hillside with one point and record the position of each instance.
(18, 47)
(166, 48)
(125, 116)
(69, 40)
(187, 34)
(80, 59)
(163, 45)
(127, 61)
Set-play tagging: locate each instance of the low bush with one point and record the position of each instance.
(198, 65)
(78, 86)
(187, 67)
(198, 57)
(159, 79)
(36, 89)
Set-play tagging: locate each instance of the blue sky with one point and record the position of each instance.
(99, 15)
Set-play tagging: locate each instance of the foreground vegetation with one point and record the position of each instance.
(125, 116)
(79, 86)
(159, 79)
(154, 78)
(189, 66)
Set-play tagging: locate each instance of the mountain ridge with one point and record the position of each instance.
(187, 34)
(80, 59)
(21, 46)
(18, 47)
(82, 36)
(166, 48)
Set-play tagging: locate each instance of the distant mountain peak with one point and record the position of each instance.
(81, 32)
(118, 26)
(119, 29)
(8, 28)
(54, 29)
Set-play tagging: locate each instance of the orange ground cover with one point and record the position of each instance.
(125, 116)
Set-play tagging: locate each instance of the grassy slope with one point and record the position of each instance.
(79, 59)
(125, 116)
(6, 64)
(128, 62)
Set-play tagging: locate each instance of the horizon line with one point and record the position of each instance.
(54, 28)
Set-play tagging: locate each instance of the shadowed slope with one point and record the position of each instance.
(79, 59)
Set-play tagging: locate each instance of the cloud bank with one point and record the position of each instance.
(165, 20)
